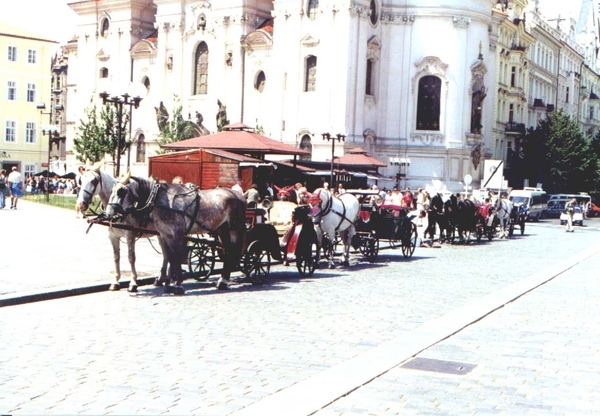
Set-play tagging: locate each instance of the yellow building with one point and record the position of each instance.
(25, 84)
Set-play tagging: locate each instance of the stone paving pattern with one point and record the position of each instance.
(219, 353)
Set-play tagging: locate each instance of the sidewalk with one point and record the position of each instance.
(40, 237)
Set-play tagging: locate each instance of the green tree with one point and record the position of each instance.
(557, 154)
(98, 134)
(175, 129)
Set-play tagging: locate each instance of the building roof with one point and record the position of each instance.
(237, 138)
(358, 157)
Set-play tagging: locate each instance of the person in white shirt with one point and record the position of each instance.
(238, 187)
(15, 180)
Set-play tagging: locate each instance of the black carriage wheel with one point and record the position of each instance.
(201, 259)
(306, 260)
(256, 263)
(409, 241)
(370, 248)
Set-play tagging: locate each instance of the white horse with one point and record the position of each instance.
(96, 182)
(502, 209)
(334, 214)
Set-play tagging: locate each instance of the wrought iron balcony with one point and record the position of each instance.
(512, 127)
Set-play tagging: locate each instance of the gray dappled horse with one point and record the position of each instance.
(96, 182)
(176, 211)
(334, 214)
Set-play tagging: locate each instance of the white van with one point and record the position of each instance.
(535, 199)
(556, 203)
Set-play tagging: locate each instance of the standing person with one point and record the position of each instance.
(15, 180)
(3, 188)
(238, 186)
(269, 193)
(252, 196)
(570, 208)
(340, 189)
(80, 172)
(407, 199)
(420, 200)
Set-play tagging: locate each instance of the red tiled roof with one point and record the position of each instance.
(359, 157)
(237, 138)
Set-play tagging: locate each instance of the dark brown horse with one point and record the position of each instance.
(177, 211)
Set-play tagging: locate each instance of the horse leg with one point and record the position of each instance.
(115, 243)
(162, 279)
(229, 258)
(133, 284)
(347, 238)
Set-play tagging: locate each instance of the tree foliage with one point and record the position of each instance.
(98, 134)
(558, 155)
(176, 129)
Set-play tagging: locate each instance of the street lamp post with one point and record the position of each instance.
(119, 102)
(340, 138)
(53, 137)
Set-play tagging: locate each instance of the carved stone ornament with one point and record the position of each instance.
(359, 11)
(309, 41)
(476, 154)
(430, 65)
(373, 49)
(102, 56)
(397, 18)
(370, 101)
(427, 139)
(200, 5)
(461, 22)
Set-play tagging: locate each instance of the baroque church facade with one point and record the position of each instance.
(413, 82)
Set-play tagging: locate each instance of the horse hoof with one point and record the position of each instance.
(132, 289)
(114, 287)
(169, 289)
(346, 263)
(178, 290)
(222, 284)
(332, 266)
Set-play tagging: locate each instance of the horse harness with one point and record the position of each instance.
(329, 208)
(143, 213)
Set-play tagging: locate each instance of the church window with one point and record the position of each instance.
(374, 15)
(201, 69)
(311, 73)
(306, 144)
(140, 154)
(369, 88)
(428, 105)
(259, 83)
(103, 72)
(104, 28)
(146, 82)
(313, 6)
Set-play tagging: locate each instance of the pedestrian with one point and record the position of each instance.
(3, 188)
(238, 186)
(15, 180)
(340, 189)
(420, 200)
(407, 200)
(269, 193)
(252, 196)
(570, 210)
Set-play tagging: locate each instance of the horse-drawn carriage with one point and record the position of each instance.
(380, 221)
(265, 246)
(197, 228)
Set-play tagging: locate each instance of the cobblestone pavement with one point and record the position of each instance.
(522, 311)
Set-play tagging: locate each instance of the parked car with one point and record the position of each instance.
(593, 211)
(577, 217)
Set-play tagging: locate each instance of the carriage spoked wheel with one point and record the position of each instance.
(369, 247)
(256, 263)
(201, 259)
(306, 260)
(409, 240)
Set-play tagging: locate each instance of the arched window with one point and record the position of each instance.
(259, 84)
(311, 74)
(104, 28)
(306, 144)
(428, 105)
(201, 70)
(374, 15)
(140, 154)
(313, 6)
(146, 82)
(103, 72)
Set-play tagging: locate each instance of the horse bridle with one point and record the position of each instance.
(329, 208)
